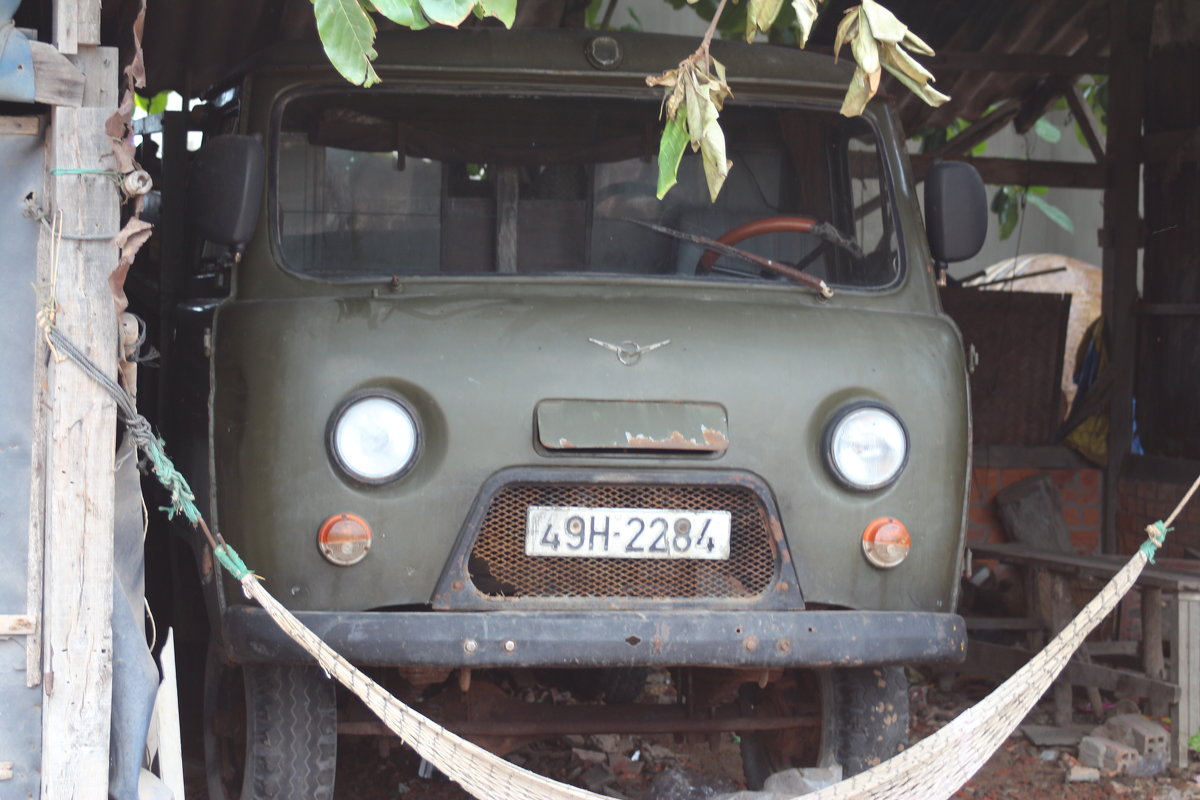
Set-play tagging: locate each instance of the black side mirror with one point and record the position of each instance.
(226, 188)
(956, 211)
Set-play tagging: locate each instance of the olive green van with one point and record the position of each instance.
(482, 410)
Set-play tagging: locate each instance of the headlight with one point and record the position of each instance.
(866, 447)
(374, 438)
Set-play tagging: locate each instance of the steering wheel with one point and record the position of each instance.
(756, 227)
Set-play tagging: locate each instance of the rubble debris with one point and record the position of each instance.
(1138, 732)
(1081, 774)
(1106, 754)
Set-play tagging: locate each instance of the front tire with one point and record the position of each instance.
(270, 731)
(871, 710)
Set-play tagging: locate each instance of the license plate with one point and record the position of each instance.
(626, 533)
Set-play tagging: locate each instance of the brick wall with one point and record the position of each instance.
(1081, 491)
(1144, 501)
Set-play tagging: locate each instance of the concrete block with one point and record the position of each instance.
(1138, 732)
(1106, 754)
(1078, 774)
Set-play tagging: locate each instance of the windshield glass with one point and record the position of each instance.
(387, 183)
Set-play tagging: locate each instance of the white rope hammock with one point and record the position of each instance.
(933, 769)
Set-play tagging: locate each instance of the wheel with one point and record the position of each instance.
(270, 731)
(862, 715)
(870, 716)
(758, 227)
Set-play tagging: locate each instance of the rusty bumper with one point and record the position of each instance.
(599, 639)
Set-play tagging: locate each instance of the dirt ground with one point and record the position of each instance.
(662, 768)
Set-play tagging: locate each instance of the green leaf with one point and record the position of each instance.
(1056, 214)
(447, 12)
(761, 16)
(1194, 742)
(1045, 129)
(806, 17)
(503, 10)
(153, 105)
(348, 36)
(403, 12)
(1006, 204)
(670, 150)
(857, 94)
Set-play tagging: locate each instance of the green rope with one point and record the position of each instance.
(183, 499)
(231, 561)
(80, 171)
(1156, 534)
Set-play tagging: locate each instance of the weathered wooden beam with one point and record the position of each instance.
(1130, 22)
(1087, 122)
(20, 126)
(979, 131)
(1176, 146)
(1026, 172)
(17, 625)
(1022, 63)
(56, 81)
(77, 605)
(1002, 661)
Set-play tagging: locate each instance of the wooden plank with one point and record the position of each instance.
(1026, 172)
(20, 126)
(1152, 639)
(16, 624)
(1185, 670)
(77, 610)
(1129, 23)
(1092, 566)
(1171, 146)
(1023, 63)
(979, 131)
(507, 196)
(66, 26)
(1003, 456)
(1102, 649)
(1087, 122)
(56, 81)
(985, 658)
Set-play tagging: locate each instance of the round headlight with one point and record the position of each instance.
(374, 438)
(866, 447)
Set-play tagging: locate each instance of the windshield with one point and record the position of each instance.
(388, 183)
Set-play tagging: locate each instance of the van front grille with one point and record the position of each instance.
(499, 567)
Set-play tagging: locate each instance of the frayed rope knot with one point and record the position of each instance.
(1156, 534)
(231, 561)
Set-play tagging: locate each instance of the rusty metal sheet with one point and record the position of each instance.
(632, 425)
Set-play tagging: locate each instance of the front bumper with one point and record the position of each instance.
(607, 638)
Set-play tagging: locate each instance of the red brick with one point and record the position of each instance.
(1072, 516)
(1079, 496)
(981, 515)
(1091, 517)
(1085, 541)
(1011, 476)
(1062, 477)
(1090, 478)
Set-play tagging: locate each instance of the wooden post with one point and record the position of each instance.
(1130, 31)
(1152, 640)
(78, 585)
(1185, 671)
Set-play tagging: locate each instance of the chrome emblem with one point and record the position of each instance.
(629, 352)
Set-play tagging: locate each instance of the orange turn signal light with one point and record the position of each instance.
(344, 539)
(886, 542)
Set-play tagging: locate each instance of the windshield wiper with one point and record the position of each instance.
(779, 268)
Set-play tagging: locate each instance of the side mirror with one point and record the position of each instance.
(226, 188)
(956, 211)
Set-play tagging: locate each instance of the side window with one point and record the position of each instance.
(870, 215)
